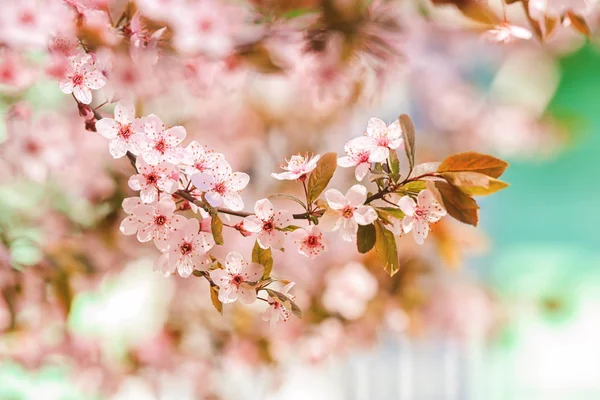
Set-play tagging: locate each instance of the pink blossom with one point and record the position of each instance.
(151, 179)
(311, 241)
(30, 23)
(347, 212)
(161, 145)
(266, 223)
(198, 159)
(222, 186)
(279, 310)
(236, 279)
(554, 8)
(349, 290)
(154, 221)
(123, 131)
(297, 166)
(359, 151)
(507, 33)
(419, 214)
(82, 75)
(187, 250)
(383, 138)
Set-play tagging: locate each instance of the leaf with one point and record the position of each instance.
(214, 298)
(321, 175)
(216, 227)
(408, 134)
(479, 12)
(579, 23)
(365, 238)
(474, 162)
(286, 301)
(385, 247)
(474, 183)
(412, 187)
(289, 228)
(263, 257)
(392, 211)
(458, 204)
(394, 166)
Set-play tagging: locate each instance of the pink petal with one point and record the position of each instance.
(365, 215)
(263, 209)
(335, 199)
(407, 205)
(356, 195)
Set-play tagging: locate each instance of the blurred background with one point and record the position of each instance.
(509, 310)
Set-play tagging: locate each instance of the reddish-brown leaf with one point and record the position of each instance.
(474, 162)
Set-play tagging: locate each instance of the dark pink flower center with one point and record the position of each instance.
(237, 280)
(312, 241)
(125, 131)
(205, 25)
(27, 17)
(77, 79)
(160, 220)
(363, 157)
(32, 147)
(383, 141)
(419, 212)
(268, 225)
(152, 179)
(220, 188)
(348, 212)
(199, 166)
(186, 248)
(161, 146)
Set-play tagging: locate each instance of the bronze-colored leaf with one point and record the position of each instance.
(216, 227)
(214, 298)
(321, 175)
(458, 204)
(365, 238)
(579, 23)
(385, 247)
(474, 183)
(474, 162)
(408, 134)
(263, 257)
(392, 211)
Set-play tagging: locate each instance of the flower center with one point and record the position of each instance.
(348, 212)
(199, 166)
(312, 241)
(237, 280)
(363, 157)
(27, 17)
(383, 141)
(151, 179)
(161, 146)
(32, 147)
(160, 220)
(419, 212)
(186, 248)
(77, 79)
(220, 188)
(125, 131)
(205, 25)
(268, 225)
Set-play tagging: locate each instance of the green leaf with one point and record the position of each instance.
(321, 175)
(214, 298)
(289, 228)
(392, 211)
(474, 183)
(216, 227)
(365, 238)
(412, 187)
(458, 204)
(474, 162)
(263, 257)
(394, 166)
(385, 247)
(408, 134)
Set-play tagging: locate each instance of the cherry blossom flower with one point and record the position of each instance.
(507, 33)
(187, 250)
(297, 167)
(151, 179)
(123, 131)
(419, 214)
(222, 186)
(349, 290)
(236, 279)
(383, 138)
(198, 159)
(279, 310)
(554, 8)
(345, 213)
(82, 75)
(161, 145)
(151, 221)
(30, 23)
(358, 152)
(311, 241)
(265, 223)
